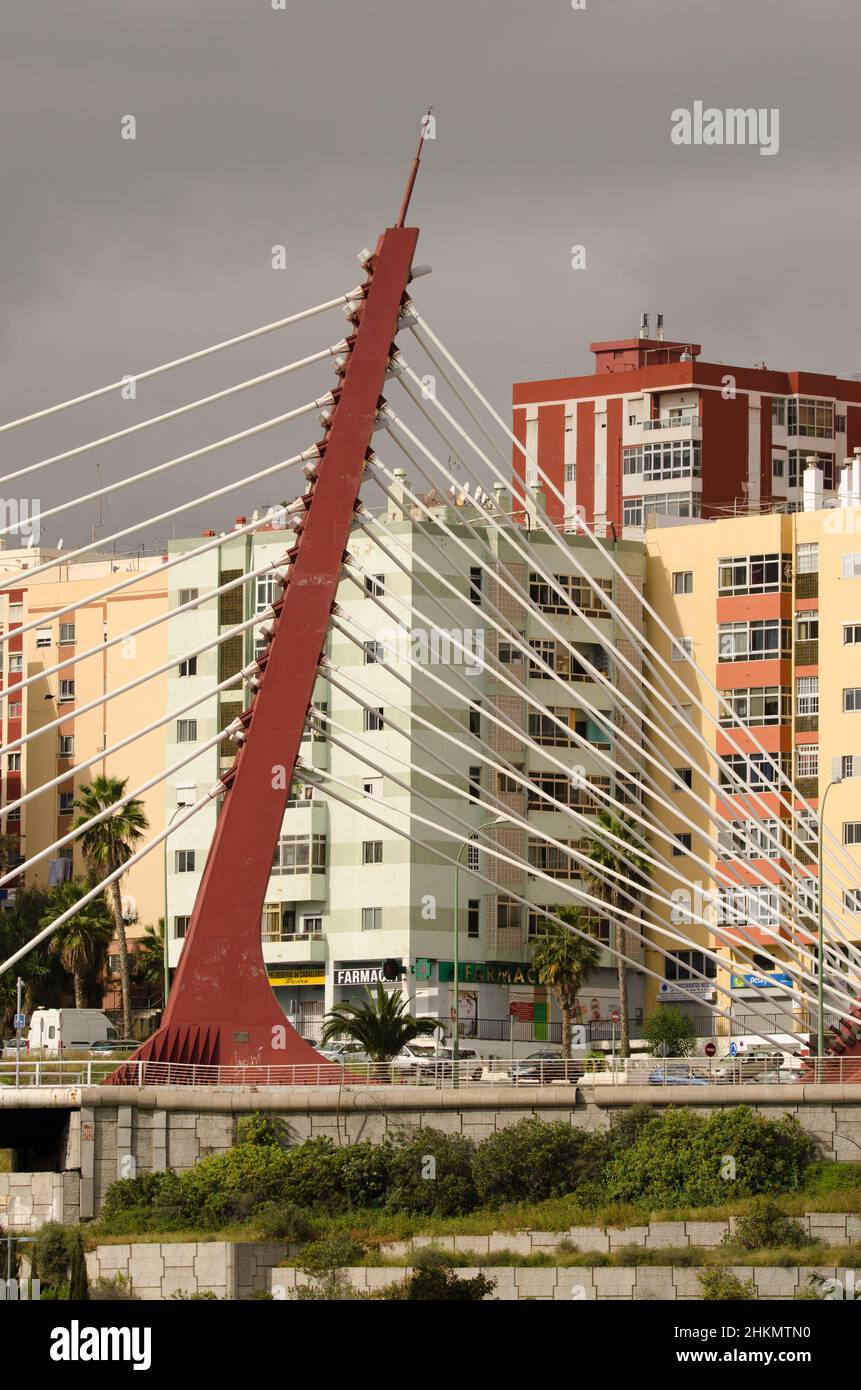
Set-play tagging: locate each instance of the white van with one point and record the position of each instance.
(55, 1031)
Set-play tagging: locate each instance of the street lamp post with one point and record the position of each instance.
(455, 1050)
(820, 972)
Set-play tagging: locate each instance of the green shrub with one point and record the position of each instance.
(531, 1161)
(822, 1179)
(431, 1174)
(284, 1221)
(764, 1227)
(680, 1158)
(594, 1061)
(364, 1174)
(722, 1286)
(335, 1251)
(438, 1284)
(434, 1257)
(260, 1128)
(116, 1288)
(53, 1251)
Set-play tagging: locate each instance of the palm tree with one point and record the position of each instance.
(81, 942)
(626, 860)
(149, 956)
(563, 960)
(106, 847)
(380, 1025)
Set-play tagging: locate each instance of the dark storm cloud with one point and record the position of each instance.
(258, 126)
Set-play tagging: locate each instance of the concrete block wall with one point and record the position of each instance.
(160, 1271)
(28, 1200)
(832, 1228)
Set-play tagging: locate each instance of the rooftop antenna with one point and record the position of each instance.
(414, 168)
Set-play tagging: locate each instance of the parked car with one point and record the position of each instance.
(109, 1047)
(544, 1068)
(344, 1052)
(14, 1047)
(465, 1056)
(422, 1062)
(678, 1074)
(759, 1064)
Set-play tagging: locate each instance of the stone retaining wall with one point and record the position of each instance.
(161, 1270)
(28, 1200)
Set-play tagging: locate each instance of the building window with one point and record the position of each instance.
(187, 596)
(778, 466)
(753, 770)
(544, 727)
(762, 704)
(683, 582)
(587, 596)
(15, 709)
(851, 634)
(509, 915)
(798, 464)
(373, 720)
(807, 760)
(373, 652)
(680, 965)
(312, 926)
(685, 775)
(66, 746)
(67, 692)
(852, 699)
(373, 786)
(632, 511)
(300, 854)
(778, 410)
(852, 832)
(475, 576)
(851, 566)
(663, 460)
(374, 585)
(807, 696)
(183, 861)
(43, 637)
(188, 667)
(372, 851)
(186, 796)
(807, 626)
(473, 856)
(682, 649)
(473, 917)
(683, 845)
(475, 783)
(475, 723)
(755, 574)
(180, 926)
(810, 418)
(807, 557)
(66, 803)
(749, 839)
(762, 639)
(186, 730)
(13, 762)
(372, 918)
(15, 661)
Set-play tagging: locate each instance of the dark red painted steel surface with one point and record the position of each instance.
(221, 1008)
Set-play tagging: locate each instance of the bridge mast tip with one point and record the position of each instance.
(414, 168)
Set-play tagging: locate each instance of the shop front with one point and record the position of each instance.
(300, 991)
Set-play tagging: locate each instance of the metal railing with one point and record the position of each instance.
(485, 1072)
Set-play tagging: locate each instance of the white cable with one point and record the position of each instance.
(639, 597)
(353, 295)
(315, 776)
(180, 459)
(599, 715)
(199, 750)
(180, 410)
(65, 557)
(94, 892)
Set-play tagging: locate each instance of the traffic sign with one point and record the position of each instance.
(614, 1015)
(710, 1049)
(19, 1021)
(732, 1049)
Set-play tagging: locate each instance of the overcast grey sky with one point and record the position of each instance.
(257, 127)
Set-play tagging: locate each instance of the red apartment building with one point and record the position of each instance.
(655, 430)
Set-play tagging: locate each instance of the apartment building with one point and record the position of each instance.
(770, 609)
(52, 709)
(348, 893)
(655, 431)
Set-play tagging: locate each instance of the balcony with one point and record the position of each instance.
(807, 653)
(807, 585)
(673, 422)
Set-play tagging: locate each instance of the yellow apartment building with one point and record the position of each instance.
(769, 607)
(52, 708)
